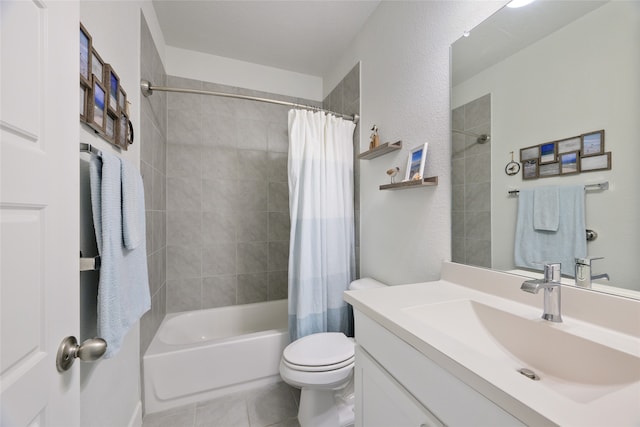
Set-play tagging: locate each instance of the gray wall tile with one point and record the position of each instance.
(278, 197)
(252, 257)
(279, 226)
(219, 258)
(277, 285)
(184, 228)
(252, 165)
(219, 291)
(252, 226)
(278, 256)
(184, 194)
(252, 288)
(184, 295)
(219, 163)
(184, 262)
(278, 167)
(218, 226)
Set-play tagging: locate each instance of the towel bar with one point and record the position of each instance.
(89, 264)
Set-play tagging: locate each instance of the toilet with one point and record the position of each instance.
(321, 365)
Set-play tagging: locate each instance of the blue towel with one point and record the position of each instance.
(546, 208)
(535, 247)
(123, 293)
(133, 230)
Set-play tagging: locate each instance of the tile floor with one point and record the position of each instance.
(275, 405)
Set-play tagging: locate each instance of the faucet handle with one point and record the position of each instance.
(587, 261)
(552, 272)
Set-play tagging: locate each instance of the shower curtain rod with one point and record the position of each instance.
(147, 89)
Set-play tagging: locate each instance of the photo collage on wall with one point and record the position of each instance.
(103, 101)
(582, 153)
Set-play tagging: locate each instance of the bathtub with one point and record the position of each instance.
(204, 354)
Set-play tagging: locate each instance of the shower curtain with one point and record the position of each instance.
(321, 246)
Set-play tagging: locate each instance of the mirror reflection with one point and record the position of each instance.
(549, 71)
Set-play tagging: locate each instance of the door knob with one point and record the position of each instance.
(89, 351)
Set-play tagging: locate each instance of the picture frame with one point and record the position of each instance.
(112, 83)
(530, 169)
(97, 108)
(122, 100)
(548, 152)
(111, 127)
(85, 56)
(596, 163)
(123, 128)
(549, 169)
(85, 94)
(97, 65)
(569, 145)
(570, 162)
(529, 153)
(592, 143)
(415, 163)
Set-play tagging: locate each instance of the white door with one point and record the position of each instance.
(39, 194)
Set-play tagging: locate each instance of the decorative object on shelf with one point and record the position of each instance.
(415, 162)
(380, 150)
(375, 138)
(512, 167)
(97, 65)
(568, 156)
(85, 56)
(392, 173)
(112, 83)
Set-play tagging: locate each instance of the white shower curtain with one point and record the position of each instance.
(321, 248)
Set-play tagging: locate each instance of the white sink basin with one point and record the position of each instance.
(576, 367)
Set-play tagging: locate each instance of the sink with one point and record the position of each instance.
(580, 369)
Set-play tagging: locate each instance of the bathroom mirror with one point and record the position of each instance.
(548, 71)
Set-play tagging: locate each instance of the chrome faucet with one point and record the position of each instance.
(583, 272)
(551, 286)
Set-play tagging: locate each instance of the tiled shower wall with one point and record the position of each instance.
(227, 198)
(152, 140)
(471, 184)
(345, 99)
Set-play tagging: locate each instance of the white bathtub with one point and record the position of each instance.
(200, 355)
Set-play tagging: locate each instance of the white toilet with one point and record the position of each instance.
(321, 365)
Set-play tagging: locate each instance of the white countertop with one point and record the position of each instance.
(533, 402)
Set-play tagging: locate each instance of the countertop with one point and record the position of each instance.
(533, 402)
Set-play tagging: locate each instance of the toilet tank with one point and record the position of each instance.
(365, 283)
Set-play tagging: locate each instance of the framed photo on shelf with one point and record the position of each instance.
(568, 145)
(549, 169)
(529, 153)
(85, 56)
(112, 83)
(97, 65)
(592, 143)
(596, 163)
(548, 153)
(570, 162)
(530, 169)
(415, 163)
(97, 107)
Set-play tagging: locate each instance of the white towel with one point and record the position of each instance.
(546, 208)
(535, 247)
(133, 230)
(123, 289)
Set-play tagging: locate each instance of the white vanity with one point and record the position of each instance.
(448, 353)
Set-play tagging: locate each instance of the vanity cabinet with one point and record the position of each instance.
(382, 402)
(397, 385)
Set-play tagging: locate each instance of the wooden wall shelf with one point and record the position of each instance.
(426, 182)
(380, 150)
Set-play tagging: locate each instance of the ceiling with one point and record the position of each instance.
(510, 30)
(305, 36)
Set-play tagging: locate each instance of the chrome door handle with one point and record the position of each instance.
(89, 351)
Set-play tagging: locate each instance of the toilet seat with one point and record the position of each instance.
(320, 352)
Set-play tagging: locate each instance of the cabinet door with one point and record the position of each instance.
(382, 402)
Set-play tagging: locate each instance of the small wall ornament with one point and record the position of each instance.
(512, 167)
(392, 173)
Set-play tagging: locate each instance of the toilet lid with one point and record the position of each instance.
(323, 349)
